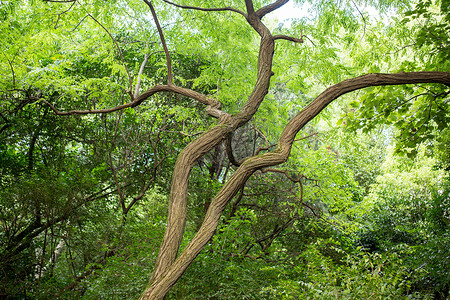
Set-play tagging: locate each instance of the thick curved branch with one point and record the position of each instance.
(213, 108)
(176, 221)
(163, 41)
(353, 84)
(270, 8)
(288, 38)
(207, 9)
(249, 6)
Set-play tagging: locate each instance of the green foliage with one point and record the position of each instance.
(359, 277)
(125, 270)
(409, 215)
(418, 116)
(83, 198)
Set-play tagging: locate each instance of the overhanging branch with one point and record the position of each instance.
(206, 9)
(353, 84)
(270, 8)
(213, 108)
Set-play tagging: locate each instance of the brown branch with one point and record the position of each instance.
(270, 8)
(309, 40)
(60, 14)
(163, 41)
(206, 9)
(350, 85)
(70, 7)
(230, 152)
(311, 209)
(214, 105)
(229, 149)
(284, 172)
(288, 38)
(33, 230)
(250, 8)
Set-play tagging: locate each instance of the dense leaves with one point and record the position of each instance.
(84, 197)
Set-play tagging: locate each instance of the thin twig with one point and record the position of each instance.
(395, 52)
(60, 14)
(60, 1)
(362, 16)
(120, 52)
(79, 23)
(310, 40)
(163, 41)
(12, 70)
(216, 112)
(273, 145)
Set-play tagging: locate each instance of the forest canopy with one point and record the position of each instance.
(217, 150)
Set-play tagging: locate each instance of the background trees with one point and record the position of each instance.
(84, 196)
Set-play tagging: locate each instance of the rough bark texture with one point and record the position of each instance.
(169, 266)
